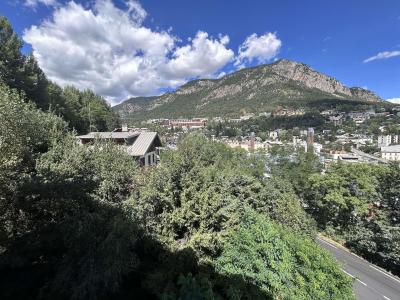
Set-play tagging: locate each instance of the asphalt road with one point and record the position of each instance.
(370, 281)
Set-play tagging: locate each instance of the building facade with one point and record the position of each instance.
(391, 153)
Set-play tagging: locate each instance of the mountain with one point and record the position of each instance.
(263, 88)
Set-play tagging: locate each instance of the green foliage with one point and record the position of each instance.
(25, 133)
(69, 224)
(68, 220)
(296, 169)
(342, 197)
(310, 119)
(88, 111)
(376, 240)
(199, 199)
(359, 203)
(192, 288)
(390, 189)
(198, 190)
(61, 207)
(11, 59)
(281, 264)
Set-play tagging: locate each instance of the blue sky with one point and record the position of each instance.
(162, 44)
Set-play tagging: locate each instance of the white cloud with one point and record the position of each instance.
(136, 10)
(200, 58)
(327, 38)
(382, 55)
(261, 48)
(110, 51)
(394, 100)
(35, 3)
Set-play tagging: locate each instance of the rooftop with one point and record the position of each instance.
(110, 135)
(143, 143)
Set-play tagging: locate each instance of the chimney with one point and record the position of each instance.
(124, 127)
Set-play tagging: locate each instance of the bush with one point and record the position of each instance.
(279, 263)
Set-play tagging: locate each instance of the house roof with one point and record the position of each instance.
(109, 135)
(142, 143)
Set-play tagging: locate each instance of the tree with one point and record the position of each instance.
(342, 196)
(11, 59)
(35, 83)
(280, 263)
(63, 221)
(390, 190)
(201, 196)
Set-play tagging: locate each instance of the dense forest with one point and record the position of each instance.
(88, 223)
(261, 125)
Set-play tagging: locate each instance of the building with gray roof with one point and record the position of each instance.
(142, 145)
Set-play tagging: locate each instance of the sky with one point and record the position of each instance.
(130, 48)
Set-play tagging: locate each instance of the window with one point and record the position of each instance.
(153, 158)
(148, 159)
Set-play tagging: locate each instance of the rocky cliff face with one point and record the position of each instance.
(363, 94)
(262, 88)
(310, 78)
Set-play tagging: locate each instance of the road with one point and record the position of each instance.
(370, 281)
(369, 156)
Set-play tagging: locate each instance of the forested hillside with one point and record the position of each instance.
(86, 223)
(264, 88)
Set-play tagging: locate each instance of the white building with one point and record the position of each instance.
(384, 140)
(391, 152)
(336, 120)
(395, 139)
(274, 135)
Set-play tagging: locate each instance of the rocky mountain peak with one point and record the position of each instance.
(262, 88)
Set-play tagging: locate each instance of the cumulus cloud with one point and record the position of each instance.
(382, 55)
(261, 48)
(394, 100)
(35, 3)
(109, 50)
(136, 10)
(200, 58)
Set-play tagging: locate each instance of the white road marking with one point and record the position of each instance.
(362, 282)
(348, 274)
(379, 270)
(387, 298)
(327, 243)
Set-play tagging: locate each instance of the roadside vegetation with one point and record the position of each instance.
(356, 204)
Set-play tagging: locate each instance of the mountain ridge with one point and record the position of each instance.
(260, 88)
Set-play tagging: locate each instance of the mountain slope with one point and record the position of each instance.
(262, 88)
